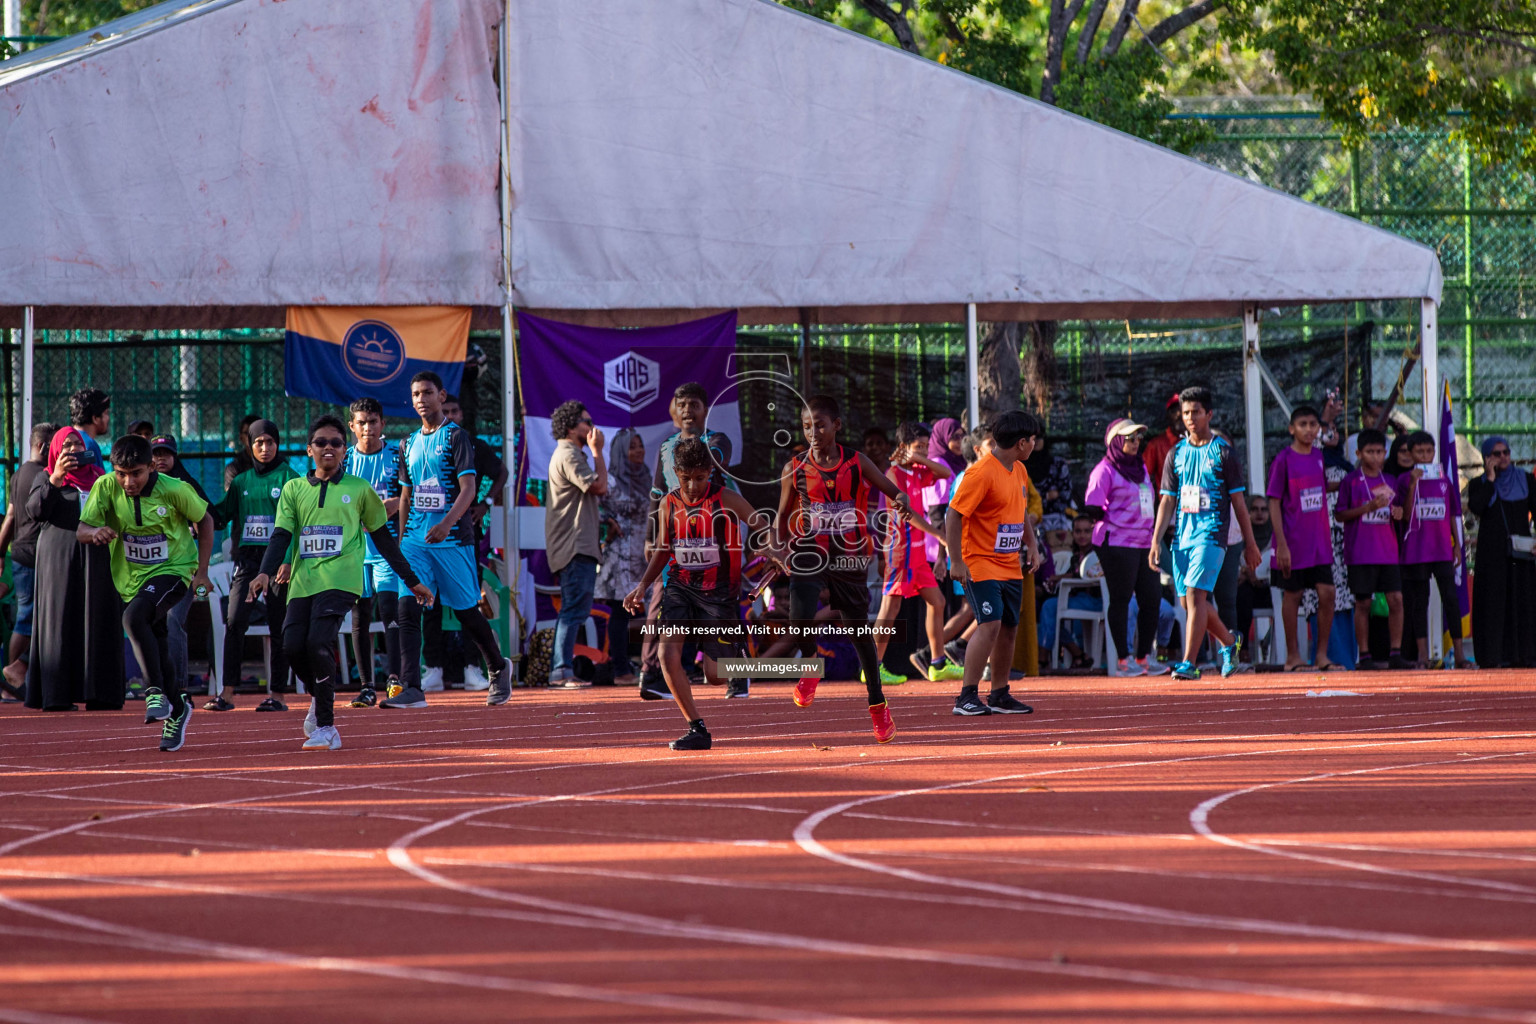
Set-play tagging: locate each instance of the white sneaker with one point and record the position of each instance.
(325, 738)
(432, 681)
(310, 723)
(475, 679)
(1152, 667)
(1130, 667)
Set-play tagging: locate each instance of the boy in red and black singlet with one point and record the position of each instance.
(824, 516)
(700, 540)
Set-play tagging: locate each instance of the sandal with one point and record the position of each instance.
(219, 704)
(1331, 667)
(271, 704)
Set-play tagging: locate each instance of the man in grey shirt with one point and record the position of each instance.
(570, 528)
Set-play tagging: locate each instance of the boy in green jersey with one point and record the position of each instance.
(249, 509)
(147, 518)
(320, 525)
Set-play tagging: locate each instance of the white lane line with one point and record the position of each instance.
(806, 829)
(12, 1015)
(1199, 820)
(144, 938)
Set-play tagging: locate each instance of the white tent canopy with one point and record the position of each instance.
(666, 156)
(212, 162)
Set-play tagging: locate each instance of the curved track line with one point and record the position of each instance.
(144, 938)
(1199, 820)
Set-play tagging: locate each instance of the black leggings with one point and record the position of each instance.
(1127, 573)
(144, 622)
(618, 638)
(1416, 601)
(362, 640)
(804, 595)
(471, 622)
(239, 619)
(309, 638)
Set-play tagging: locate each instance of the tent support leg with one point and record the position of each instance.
(1429, 366)
(512, 552)
(1253, 399)
(972, 368)
(28, 381)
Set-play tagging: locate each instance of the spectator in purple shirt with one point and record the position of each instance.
(1371, 549)
(1430, 503)
(1298, 508)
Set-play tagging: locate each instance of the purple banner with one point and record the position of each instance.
(1448, 462)
(625, 378)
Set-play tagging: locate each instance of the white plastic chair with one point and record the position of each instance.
(220, 575)
(1096, 639)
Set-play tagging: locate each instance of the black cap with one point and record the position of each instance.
(166, 441)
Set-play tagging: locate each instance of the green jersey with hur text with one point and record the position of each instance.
(154, 529)
(329, 521)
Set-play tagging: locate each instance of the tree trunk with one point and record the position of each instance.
(997, 367)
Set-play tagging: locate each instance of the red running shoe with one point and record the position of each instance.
(880, 715)
(805, 692)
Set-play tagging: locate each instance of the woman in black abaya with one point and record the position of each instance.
(77, 626)
(1504, 574)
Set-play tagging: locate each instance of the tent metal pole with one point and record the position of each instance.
(1253, 399)
(511, 553)
(28, 381)
(1429, 366)
(972, 368)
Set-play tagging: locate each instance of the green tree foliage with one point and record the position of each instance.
(1368, 64)
(66, 17)
(1372, 64)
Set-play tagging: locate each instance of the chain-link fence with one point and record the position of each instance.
(1420, 184)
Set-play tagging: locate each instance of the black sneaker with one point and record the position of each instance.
(157, 706)
(654, 690)
(1003, 703)
(367, 697)
(271, 704)
(174, 732)
(501, 685)
(1364, 663)
(919, 659)
(696, 738)
(956, 651)
(1398, 663)
(738, 688)
(218, 704)
(969, 704)
(410, 697)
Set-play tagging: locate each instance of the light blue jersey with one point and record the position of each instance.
(381, 471)
(431, 465)
(1201, 480)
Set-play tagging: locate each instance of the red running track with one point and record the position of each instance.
(1135, 850)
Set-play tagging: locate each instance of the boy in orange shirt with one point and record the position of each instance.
(986, 531)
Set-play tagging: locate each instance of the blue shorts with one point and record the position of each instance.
(449, 570)
(379, 578)
(1197, 568)
(22, 577)
(996, 600)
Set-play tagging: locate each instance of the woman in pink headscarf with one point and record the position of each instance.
(77, 647)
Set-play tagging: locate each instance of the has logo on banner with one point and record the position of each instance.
(372, 352)
(631, 381)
